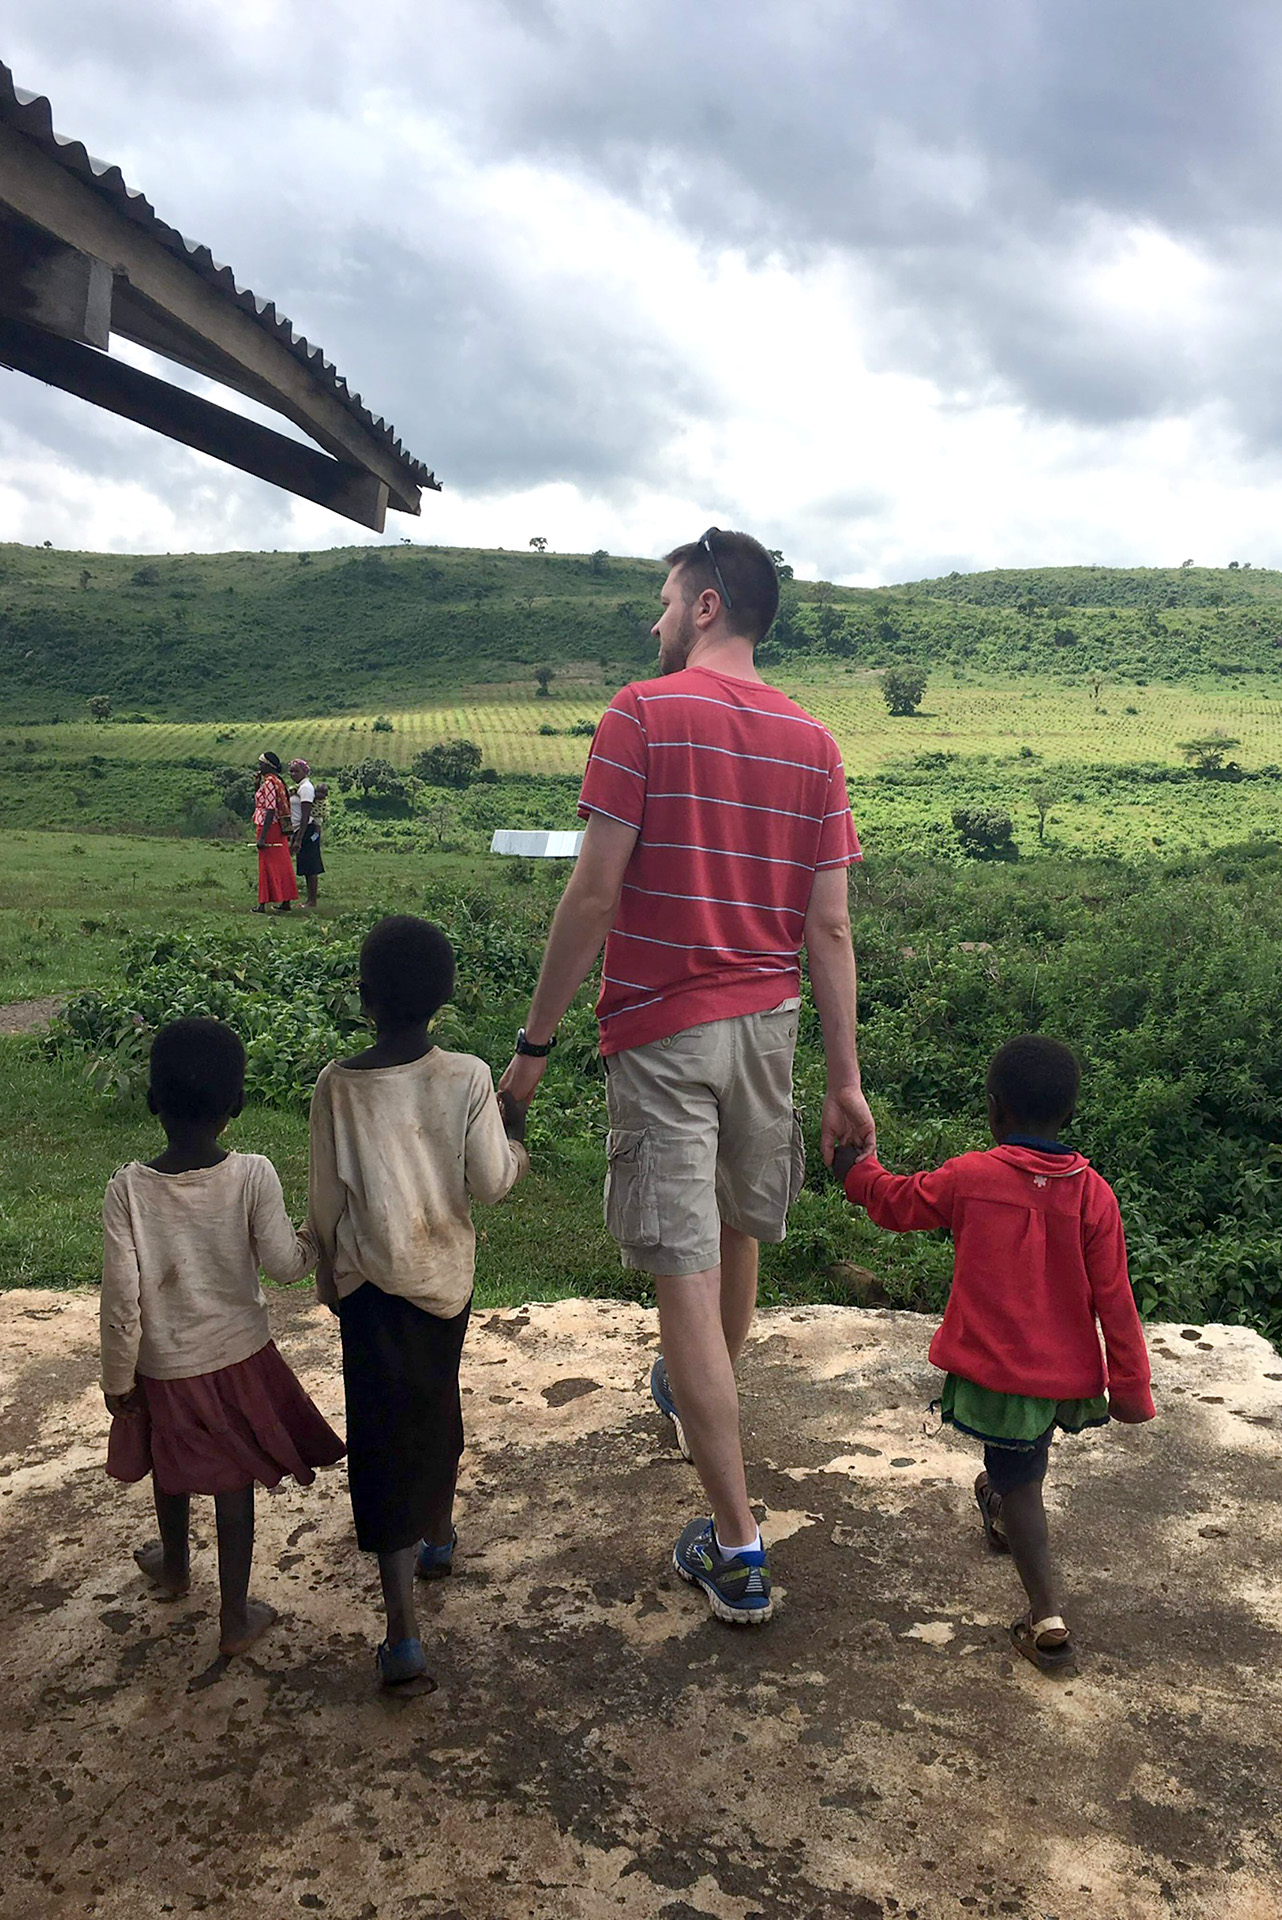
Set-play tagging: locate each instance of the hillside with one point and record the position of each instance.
(249, 635)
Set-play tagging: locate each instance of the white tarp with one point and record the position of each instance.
(537, 846)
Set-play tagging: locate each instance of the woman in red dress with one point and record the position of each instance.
(276, 880)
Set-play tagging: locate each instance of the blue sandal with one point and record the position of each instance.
(404, 1665)
(433, 1563)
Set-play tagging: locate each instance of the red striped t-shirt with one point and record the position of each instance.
(738, 795)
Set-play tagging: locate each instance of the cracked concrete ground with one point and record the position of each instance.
(599, 1746)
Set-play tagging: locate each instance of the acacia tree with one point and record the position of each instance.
(543, 676)
(902, 689)
(100, 706)
(538, 542)
(1208, 751)
(450, 763)
(1043, 797)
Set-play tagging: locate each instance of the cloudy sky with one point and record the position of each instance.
(900, 285)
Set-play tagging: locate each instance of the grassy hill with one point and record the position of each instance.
(241, 636)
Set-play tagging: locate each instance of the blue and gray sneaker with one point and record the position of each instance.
(737, 1584)
(403, 1668)
(433, 1563)
(661, 1394)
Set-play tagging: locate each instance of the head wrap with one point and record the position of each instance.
(272, 759)
(300, 769)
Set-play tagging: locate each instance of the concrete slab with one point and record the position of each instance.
(599, 1746)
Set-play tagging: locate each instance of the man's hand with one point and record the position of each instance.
(522, 1078)
(126, 1405)
(846, 1121)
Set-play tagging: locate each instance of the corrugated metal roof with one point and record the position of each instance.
(32, 115)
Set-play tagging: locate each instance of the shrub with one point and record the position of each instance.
(985, 833)
(383, 725)
(372, 776)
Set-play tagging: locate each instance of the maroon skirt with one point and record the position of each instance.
(218, 1432)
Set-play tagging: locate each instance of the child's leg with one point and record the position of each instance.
(169, 1563)
(240, 1620)
(1023, 1516)
(1015, 1490)
(396, 1571)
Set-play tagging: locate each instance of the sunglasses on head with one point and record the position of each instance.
(706, 543)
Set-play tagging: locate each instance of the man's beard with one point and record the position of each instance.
(673, 658)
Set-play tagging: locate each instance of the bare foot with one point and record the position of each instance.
(239, 1636)
(151, 1558)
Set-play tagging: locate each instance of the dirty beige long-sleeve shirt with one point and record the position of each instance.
(397, 1155)
(180, 1260)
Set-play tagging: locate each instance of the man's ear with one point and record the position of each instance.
(238, 1109)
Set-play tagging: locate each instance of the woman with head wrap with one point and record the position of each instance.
(271, 814)
(304, 833)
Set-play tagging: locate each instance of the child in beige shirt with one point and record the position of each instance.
(199, 1396)
(403, 1138)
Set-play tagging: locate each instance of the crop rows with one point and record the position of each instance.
(1055, 723)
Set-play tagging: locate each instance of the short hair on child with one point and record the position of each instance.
(197, 1070)
(1035, 1078)
(407, 968)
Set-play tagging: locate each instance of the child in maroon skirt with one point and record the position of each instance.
(199, 1396)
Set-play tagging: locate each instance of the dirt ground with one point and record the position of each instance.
(29, 1016)
(598, 1745)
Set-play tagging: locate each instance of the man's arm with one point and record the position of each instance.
(579, 926)
(830, 954)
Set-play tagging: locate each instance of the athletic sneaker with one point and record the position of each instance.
(737, 1584)
(661, 1394)
(433, 1563)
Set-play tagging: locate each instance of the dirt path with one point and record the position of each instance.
(28, 1016)
(600, 1748)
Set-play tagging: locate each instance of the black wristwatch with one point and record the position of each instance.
(527, 1046)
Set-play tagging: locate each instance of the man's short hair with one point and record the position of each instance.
(197, 1070)
(1035, 1079)
(407, 968)
(749, 574)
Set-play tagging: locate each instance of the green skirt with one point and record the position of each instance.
(1014, 1419)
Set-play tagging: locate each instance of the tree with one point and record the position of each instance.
(599, 562)
(781, 565)
(985, 833)
(1097, 687)
(100, 706)
(372, 776)
(85, 578)
(902, 689)
(544, 677)
(450, 763)
(1208, 751)
(1043, 797)
(830, 624)
(538, 542)
(236, 789)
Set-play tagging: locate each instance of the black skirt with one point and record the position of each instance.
(404, 1415)
(309, 860)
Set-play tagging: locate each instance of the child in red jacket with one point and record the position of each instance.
(1039, 1259)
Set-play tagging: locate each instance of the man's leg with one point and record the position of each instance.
(701, 1373)
(739, 1262)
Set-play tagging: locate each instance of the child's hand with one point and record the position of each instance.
(514, 1112)
(1130, 1416)
(126, 1405)
(843, 1159)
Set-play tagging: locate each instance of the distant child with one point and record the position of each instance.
(403, 1137)
(200, 1397)
(1039, 1258)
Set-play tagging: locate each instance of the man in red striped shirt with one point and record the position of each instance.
(718, 838)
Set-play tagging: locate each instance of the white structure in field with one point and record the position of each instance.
(537, 846)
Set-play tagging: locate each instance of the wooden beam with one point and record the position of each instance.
(39, 190)
(335, 484)
(54, 286)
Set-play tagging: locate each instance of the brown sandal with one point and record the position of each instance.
(1046, 1643)
(989, 1505)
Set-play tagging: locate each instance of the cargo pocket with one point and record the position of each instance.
(797, 1159)
(631, 1195)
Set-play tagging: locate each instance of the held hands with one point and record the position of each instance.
(513, 1112)
(522, 1079)
(123, 1405)
(842, 1161)
(846, 1121)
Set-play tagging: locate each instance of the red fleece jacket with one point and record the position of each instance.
(1039, 1258)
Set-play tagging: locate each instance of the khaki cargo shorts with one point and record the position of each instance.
(702, 1130)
